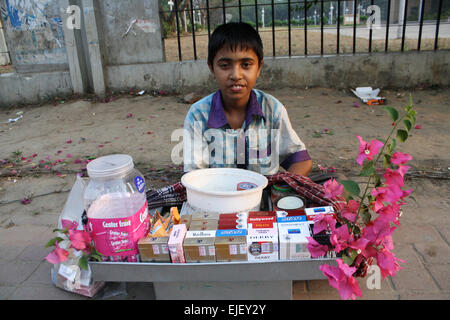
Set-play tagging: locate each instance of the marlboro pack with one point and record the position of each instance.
(199, 246)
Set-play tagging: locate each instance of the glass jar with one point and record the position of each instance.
(116, 207)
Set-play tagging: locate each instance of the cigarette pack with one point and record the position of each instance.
(231, 245)
(311, 213)
(203, 216)
(262, 244)
(291, 213)
(175, 243)
(293, 242)
(154, 249)
(199, 246)
(186, 219)
(205, 224)
(233, 216)
(262, 219)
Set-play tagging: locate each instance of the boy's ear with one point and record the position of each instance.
(261, 63)
(211, 69)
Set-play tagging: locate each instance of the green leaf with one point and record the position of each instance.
(393, 113)
(408, 124)
(402, 135)
(386, 161)
(368, 169)
(347, 259)
(52, 242)
(351, 186)
(83, 263)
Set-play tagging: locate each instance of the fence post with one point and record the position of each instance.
(74, 52)
(90, 12)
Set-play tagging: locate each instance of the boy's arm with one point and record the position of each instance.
(301, 168)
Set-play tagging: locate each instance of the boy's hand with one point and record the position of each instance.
(301, 168)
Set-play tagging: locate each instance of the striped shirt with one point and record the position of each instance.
(265, 139)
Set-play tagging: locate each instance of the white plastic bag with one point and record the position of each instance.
(74, 208)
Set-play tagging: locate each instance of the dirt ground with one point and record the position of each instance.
(42, 152)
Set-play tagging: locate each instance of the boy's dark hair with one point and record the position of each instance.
(234, 35)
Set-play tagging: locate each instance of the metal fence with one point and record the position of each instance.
(310, 27)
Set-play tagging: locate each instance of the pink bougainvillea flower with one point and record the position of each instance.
(79, 239)
(69, 155)
(59, 151)
(100, 146)
(316, 249)
(377, 230)
(26, 201)
(69, 141)
(418, 127)
(388, 263)
(391, 193)
(76, 161)
(324, 222)
(389, 213)
(402, 170)
(333, 188)
(58, 255)
(368, 150)
(340, 238)
(400, 158)
(341, 278)
(393, 177)
(70, 225)
(350, 209)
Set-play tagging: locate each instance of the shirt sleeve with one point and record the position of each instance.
(194, 144)
(291, 147)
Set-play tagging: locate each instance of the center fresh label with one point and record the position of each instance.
(139, 182)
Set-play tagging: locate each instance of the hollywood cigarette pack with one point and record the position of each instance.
(231, 245)
(175, 243)
(199, 246)
(262, 219)
(154, 249)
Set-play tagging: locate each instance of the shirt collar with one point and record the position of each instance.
(217, 118)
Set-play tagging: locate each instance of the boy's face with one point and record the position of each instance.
(236, 73)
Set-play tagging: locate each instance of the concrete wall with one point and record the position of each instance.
(34, 34)
(397, 70)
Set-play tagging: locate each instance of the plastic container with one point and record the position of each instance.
(116, 207)
(285, 198)
(213, 190)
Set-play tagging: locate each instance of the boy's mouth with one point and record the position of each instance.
(236, 87)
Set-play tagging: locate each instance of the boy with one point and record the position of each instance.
(238, 126)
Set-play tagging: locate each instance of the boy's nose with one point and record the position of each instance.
(235, 73)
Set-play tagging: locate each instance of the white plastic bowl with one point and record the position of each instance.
(215, 189)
